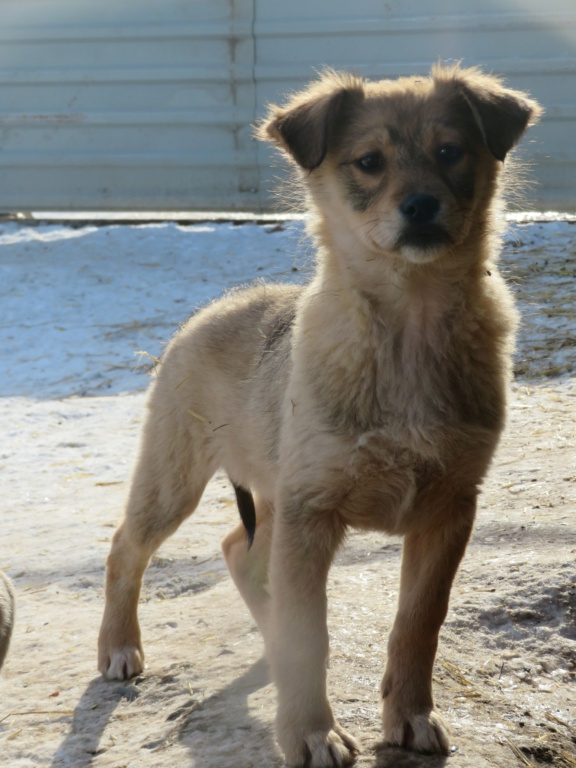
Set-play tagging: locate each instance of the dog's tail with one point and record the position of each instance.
(7, 612)
(247, 511)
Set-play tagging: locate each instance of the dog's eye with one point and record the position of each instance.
(449, 154)
(371, 163)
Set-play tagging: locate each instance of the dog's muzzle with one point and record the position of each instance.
(421, 230)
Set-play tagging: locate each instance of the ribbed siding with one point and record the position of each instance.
(532, 45)
(148, 105)
(133, 105)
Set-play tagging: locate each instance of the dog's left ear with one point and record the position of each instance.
(501, 114)
(312, 121)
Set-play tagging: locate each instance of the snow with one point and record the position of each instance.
(79, 304)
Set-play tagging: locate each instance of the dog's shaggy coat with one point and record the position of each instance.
(373, 397)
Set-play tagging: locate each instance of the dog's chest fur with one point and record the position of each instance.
(391, 372)
(399, 397)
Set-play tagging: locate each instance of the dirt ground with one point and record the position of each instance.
(505, 675)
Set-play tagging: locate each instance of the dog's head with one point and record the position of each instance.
(409, 165)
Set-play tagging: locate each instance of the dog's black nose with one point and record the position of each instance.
(420, 209)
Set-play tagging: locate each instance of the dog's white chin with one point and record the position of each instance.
(415, 255)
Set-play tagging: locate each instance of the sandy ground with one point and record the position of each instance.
(506, 667)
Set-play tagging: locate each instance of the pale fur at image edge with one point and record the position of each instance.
(7, 615)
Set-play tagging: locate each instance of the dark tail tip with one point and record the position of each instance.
(247, 511)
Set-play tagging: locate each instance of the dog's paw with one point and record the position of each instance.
(425, 732)
(121, 663)
(321, 749)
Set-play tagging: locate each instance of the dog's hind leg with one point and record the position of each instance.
(171, 474)
(248, 565)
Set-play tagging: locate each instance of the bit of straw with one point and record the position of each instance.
(199, 416)
(554, 719)
(52, 712)
(455, 673)
(184, 380)
(518, 752)
(141, 353)
(567, 758)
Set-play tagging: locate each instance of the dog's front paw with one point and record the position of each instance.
(423, 732)
(319, 749)
(121, 663)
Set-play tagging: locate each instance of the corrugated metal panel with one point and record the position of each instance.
(132, 105)
(533, 45)
(147, 104)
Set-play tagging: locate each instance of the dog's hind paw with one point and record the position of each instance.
(121, 664)
(426, 732)
(323, 749)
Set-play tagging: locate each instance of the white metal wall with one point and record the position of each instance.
(532, 43)
(131, 104)
(147, 104)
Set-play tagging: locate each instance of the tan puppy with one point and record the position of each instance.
(373, 397)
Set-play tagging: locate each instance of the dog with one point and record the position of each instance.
(373, 397)
(7, 615)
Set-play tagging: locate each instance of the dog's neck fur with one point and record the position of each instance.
(397, 290)
(407, 324)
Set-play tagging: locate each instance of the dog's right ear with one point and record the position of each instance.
(500, 114)
(311, 122)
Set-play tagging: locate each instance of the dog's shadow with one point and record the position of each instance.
(225, 715)
(200, 724)
(91, 716)
(221, 716)
(393, 757)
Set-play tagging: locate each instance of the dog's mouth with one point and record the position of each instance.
(423, 236)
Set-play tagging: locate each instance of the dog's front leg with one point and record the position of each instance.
(429, 563)
(303, 544)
